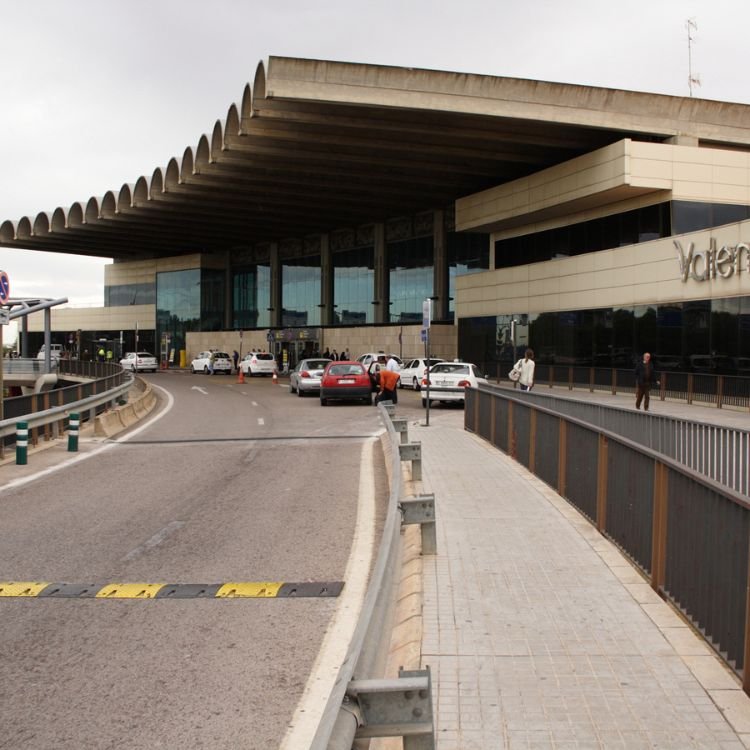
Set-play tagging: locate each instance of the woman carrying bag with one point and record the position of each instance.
(525, 367)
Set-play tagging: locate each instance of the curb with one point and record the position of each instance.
(116, 420)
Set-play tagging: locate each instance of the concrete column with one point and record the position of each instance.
(228, 295)
(276, 300)
(382, 291)
(440, 267)
(326, 281)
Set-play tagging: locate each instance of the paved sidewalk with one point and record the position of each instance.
(539, 632)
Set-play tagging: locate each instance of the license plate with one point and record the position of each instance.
(346, 381)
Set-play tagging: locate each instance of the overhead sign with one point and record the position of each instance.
(4, 287)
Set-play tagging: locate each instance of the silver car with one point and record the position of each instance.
(305, 377)
(140, 362)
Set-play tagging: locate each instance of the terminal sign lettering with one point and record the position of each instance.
(702, 265)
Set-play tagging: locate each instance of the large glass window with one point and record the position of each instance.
(130, 294)
(410, 266)
(300, 291)
(178, 305)
(467, 253)
(251, 294)
(354, 286)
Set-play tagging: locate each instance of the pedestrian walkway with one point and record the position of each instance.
(539, 633)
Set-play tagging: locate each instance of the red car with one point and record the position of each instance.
(345, 381)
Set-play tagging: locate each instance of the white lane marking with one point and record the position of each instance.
(107, 446)
(198, 388)
(244, 393)
(254, 403)
(261, 421)
(154, 541)
(332, 653)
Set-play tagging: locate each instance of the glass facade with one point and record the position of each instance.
(410, 277)
(251, 295)
(618, 230)
(300, 291)
(191, 300)
(129, 294)
(354, 286)
(697, 336)
(467, 253)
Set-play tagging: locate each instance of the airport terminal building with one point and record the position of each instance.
(336, 197)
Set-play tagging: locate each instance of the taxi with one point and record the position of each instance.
(449, 380)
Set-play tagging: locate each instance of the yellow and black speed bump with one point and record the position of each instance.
(238, 590)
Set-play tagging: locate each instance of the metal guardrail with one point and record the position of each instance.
(688, 534)
(346, 713)
(720, 453)
(56, 416)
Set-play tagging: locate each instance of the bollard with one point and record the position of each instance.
(22, 443)
(74, 422)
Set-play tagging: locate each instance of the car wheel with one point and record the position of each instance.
(415, 384)
(323, 401)
(205, 370)
(299, 392)
(192, 370)
(424, 402)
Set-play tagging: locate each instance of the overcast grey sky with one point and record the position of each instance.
(94, 94)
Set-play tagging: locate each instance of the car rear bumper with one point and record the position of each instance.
(445, 394)
(344, 394)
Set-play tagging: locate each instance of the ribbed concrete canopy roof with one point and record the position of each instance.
(316, 146)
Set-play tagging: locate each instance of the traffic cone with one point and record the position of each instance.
(275, 377)
(240, 376)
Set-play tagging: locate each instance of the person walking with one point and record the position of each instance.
(526, 366)
(236, 358)
(645, 377)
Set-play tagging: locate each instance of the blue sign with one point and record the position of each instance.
(423, 335)
(4, 287)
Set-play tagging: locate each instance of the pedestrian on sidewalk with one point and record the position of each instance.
(645, 377)
(526, 366)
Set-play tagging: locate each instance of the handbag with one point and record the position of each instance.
(514, 374)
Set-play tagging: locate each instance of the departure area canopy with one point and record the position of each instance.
(316, 146)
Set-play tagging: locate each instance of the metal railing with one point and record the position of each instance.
(720, 453)
(691, 387)
(688, 534)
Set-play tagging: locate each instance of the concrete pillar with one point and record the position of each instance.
(326, 281)
(382, 291)
(440, 285)
(276, 301)
(228, 295)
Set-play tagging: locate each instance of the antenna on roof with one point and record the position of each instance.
(693, 80)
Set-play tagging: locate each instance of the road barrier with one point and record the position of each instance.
(74, 423)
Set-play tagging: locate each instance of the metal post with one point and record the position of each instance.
(22, 443)
(74, 423)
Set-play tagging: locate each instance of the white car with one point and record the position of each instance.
(448, 381)
(212, 362)
(55, 351)
(142, 361)
(413, 371)
(258, 363)
(370, 357)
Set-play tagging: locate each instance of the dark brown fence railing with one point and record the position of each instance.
(689, 535)
(691, 387)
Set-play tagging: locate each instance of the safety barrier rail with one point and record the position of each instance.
(689, 535)
(721, 453)
(52, 418)
(691, 387)
(368, 706)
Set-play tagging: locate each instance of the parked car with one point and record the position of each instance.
(258, 363)
(449, 380)
(55, 351)
(348, 381)
(140, 362)
(370, 357)
(413, 371)
(306, 376)
(212, 362)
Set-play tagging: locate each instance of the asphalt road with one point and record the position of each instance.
(232, 483)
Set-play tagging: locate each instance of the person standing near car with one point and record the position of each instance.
(526, 366)
(236, 358)
(388, 386)
(645, 377)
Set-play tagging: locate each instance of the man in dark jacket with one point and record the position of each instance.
(645, 377)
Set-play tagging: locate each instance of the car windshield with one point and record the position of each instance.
(345, 370)
(314, 364)
(453, 369)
